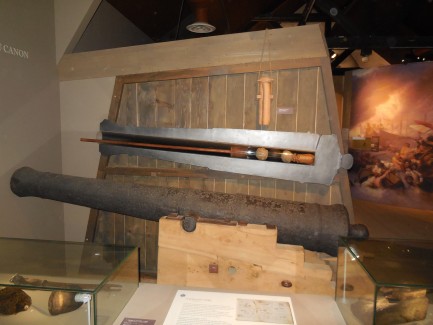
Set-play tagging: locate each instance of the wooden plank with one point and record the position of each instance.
(300, 193)
(237, 257)
(294, 43)
(284, 190)
(151, 252)
(323, 123)
(318, 193)
(147, 106)
(267, 188)
(286, 98)
(177, 172)
(234, 119)
(138, 229)
(250, 118)
(217, 112)
(199, 102)
(235, 101)
(217, 102)
(182, 103)
(199, 119)
(254, 187)
(127, 115)
(105, 228)
(182, 117)
(165, 118)
(165, 102)
(116, 99)
(307, 100)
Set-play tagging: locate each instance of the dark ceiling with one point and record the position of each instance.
(395, 29)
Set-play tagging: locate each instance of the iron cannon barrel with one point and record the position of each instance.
(314, 226)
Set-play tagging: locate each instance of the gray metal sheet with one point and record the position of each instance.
(296, 141)
(328, 158)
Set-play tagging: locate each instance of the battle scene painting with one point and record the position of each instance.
(391, 135)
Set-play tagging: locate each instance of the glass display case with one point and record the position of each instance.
(385, 281)
(55, 282)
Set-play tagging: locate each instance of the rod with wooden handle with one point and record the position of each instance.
(265, 97)
(260, 153)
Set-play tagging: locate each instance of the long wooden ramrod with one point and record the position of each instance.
(235, 151)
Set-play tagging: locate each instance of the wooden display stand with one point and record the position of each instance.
(212, 82)
(239, 257)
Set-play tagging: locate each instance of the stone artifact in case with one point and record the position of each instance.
(385, 281)
(56, 282)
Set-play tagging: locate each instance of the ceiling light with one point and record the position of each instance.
(200, 27)
(332, 54)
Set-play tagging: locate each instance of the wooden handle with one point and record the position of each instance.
(299, 158)
(265, 97)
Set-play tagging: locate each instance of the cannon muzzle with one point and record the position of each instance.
(316, 227)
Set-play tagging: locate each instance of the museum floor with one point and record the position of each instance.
(389, 222)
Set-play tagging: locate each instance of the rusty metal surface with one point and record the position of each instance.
(314, 226)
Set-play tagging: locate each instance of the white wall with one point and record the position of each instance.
(109, 29)
(29, 115)
(84, 104)
(71, 19)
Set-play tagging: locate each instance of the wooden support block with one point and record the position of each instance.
(241, 257)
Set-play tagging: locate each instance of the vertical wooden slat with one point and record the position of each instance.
(235, 101)
(165, 118)
(199, 102)
(254, 187)
(274, 87)
(323, 125)
(307, 99)
(133, 228)
(182, 116)
(234, 120)
(318, 193)
(146, 101)
(144, 232)
(287, 100)
(95, 215)
(217, 119)
(250, 119)
(182, 103)
(217, 101)
(105, 228)
(199, 118)
(127, 116)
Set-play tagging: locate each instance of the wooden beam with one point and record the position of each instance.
(295, 43)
